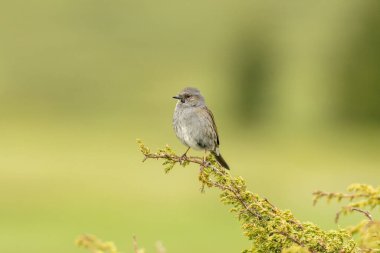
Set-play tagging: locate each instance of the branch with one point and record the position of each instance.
(270, 228)
(363, 196)
(351, 209)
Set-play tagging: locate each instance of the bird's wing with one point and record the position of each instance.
(212, 121)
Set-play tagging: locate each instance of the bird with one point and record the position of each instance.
(194, 124)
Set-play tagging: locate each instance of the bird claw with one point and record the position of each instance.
(205, 163)
(182, 158)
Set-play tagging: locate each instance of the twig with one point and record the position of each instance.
(341, 195)
(350, 209)
(366, 213)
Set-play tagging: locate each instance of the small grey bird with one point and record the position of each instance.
(194, 124)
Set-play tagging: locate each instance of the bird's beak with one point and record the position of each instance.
(180, 98)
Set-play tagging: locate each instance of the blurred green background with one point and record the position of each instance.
(294, 87)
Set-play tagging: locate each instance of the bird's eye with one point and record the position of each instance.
(187, 96)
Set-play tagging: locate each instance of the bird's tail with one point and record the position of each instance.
(220, 160)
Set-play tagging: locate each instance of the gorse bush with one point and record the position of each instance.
(274, 230)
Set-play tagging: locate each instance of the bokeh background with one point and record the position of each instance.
(294, 87)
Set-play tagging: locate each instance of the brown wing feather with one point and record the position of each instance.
(213, 124)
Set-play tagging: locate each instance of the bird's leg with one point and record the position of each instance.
(183, 157)
(206, 163)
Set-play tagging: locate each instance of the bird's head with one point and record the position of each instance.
(190, 97)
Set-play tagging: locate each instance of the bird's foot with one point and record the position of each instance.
(182, 158)
(205, 163)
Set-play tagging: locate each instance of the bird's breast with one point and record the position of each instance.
(186, 127)
(191, 128)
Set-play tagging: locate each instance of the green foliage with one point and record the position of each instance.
(295, 249)
(95, 245)
(269, 228)
(166, 152)
(360, 197)
(369, 235)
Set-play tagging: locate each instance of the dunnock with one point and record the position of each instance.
(194, 124)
